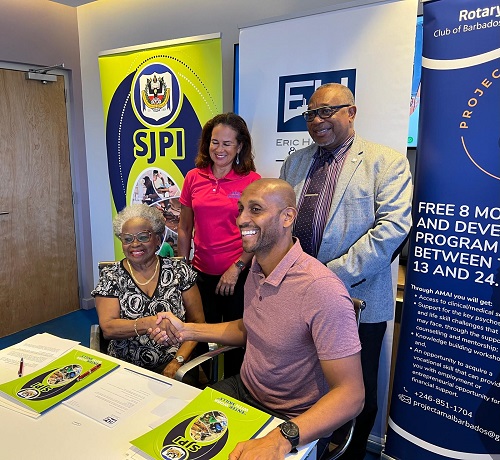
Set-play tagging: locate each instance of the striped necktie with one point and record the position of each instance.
(316, 198)
(304, 225)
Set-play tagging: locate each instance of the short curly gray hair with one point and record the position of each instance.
(150, 213)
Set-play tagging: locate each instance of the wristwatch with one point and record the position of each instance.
(290, 431)
(180, 359)
(240, 264)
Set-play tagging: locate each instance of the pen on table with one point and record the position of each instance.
(82, 376)
(21, 367)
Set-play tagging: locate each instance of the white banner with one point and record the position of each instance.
(368, 48)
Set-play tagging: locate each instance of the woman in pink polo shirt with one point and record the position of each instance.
(209, 206)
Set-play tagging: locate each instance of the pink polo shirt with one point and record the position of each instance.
(217, 239)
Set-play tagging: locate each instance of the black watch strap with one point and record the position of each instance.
(240, 264)
(290, 431)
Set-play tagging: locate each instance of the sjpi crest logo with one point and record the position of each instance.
(156, 95)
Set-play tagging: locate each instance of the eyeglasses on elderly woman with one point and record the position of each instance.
(141, 237)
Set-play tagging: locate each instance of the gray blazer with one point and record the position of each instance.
(369, 218)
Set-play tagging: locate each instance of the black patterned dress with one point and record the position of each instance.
(175, 277)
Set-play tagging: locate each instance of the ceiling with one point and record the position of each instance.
(73, 2)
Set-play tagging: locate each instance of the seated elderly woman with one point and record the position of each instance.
(131, 293)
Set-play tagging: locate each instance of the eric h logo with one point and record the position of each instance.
(296, 90)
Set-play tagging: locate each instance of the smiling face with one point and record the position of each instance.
(264, 217)
(331, 132)
(223, 148)
(136, 252)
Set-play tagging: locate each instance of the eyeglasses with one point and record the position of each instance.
(323, 112)
(141, 237)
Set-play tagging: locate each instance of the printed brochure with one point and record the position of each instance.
(209, 427)
(48, 386)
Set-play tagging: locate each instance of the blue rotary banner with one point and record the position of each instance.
(446, 392)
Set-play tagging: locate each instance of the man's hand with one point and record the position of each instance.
(273, 446)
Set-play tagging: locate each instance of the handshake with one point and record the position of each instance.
(170, 329)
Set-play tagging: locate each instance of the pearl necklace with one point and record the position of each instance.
(150, 279)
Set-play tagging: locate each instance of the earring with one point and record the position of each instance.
(238, 158)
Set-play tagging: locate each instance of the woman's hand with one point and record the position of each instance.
(228, 280)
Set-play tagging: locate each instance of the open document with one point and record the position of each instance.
(35, 352)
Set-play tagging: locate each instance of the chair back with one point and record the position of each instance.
(97, 340)
(105, 263)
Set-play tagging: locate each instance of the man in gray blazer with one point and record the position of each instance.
(354, 200)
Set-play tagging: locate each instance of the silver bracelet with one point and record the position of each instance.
(135, 327)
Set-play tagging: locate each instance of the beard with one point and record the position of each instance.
(265, 239)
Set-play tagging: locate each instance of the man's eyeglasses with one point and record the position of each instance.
(141, 237)
(323, 112)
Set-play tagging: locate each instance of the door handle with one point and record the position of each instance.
(2, 213)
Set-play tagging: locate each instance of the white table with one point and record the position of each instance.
(63, 433)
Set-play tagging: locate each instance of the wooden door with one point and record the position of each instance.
(38, 267)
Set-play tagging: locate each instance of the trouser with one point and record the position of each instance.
(219, 308)
(371, 336)
(235, 388)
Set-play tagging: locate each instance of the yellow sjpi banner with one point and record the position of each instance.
(156, 99)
